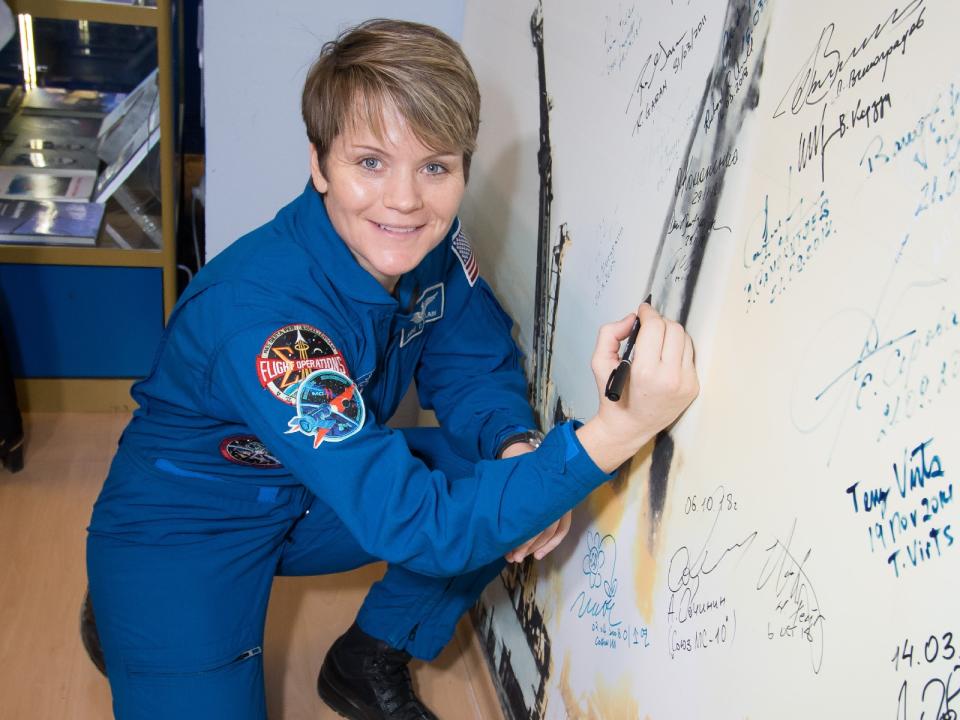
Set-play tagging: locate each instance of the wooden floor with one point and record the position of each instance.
(46, 675)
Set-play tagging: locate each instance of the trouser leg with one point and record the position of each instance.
(411, 612)
(180, 571)
(419, 613)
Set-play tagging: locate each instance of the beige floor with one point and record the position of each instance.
(45, 672)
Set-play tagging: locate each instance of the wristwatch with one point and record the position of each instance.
(531, 437)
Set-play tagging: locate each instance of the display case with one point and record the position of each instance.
(89, 192)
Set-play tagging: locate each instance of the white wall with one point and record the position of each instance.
(733, 573)
(256, 55)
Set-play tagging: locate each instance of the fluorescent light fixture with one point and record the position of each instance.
(28, 57)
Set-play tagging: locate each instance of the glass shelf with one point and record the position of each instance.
(86, 127)
(121, 13)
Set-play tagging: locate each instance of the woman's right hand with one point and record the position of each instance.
(661, 385)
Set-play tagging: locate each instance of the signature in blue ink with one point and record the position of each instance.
(599, 566)
(898, 366)
(787, 245)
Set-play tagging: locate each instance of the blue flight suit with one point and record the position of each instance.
(259, 449)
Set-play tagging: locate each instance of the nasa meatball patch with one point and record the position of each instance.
(290, 355)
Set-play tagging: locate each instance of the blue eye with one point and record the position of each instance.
(370, 163)
(435, 169)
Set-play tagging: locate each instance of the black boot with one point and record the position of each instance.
(11, 423)
(11, 453)
(89, 634)
(363, 678)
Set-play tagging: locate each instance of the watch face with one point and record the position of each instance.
(531, 437)
(534, 438)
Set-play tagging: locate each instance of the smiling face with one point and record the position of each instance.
(390, 198)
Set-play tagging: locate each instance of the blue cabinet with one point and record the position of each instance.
(65, 321)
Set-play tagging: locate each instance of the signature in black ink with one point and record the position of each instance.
(684, 572)
(738, 45)
(821, 72)
(939, 691)
(813, 143)
(670, 56)
(797, 608)
(938, 705)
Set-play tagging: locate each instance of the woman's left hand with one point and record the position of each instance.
(543, 543)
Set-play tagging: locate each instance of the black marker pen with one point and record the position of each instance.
(619, 375)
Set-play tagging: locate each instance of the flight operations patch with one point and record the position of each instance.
(329, 408)
(290, 355)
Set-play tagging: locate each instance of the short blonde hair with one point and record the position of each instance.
(415, 68)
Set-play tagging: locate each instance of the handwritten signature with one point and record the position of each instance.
(797, 606)
(822, 71)
(787, 245)
(685, 573)
(599, 566)
(937, 705)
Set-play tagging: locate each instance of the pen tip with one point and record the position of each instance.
(649, 299)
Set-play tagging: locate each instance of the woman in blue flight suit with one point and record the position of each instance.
(259, 446)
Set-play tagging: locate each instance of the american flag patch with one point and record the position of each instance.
(464, 252)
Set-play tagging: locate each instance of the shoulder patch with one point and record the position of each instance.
(462, 248)
(291, 354)
(329, 407)
(247, 450)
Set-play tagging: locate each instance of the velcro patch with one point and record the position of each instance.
(329, 408)
(429, 309)
(247, 450)
(464, 251)
(291, 354)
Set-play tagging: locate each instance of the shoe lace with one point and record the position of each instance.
(396, 694)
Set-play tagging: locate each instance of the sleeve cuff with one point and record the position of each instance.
(562, 449)
(507, 432)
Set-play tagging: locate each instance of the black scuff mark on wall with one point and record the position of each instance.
(551, 303)
(519, 580)
(549, 257)
(723, 110)
(542, 342)
(660, 461)
(508, 688)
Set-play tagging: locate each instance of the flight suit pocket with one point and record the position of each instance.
(147, 669)
(215, 682)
